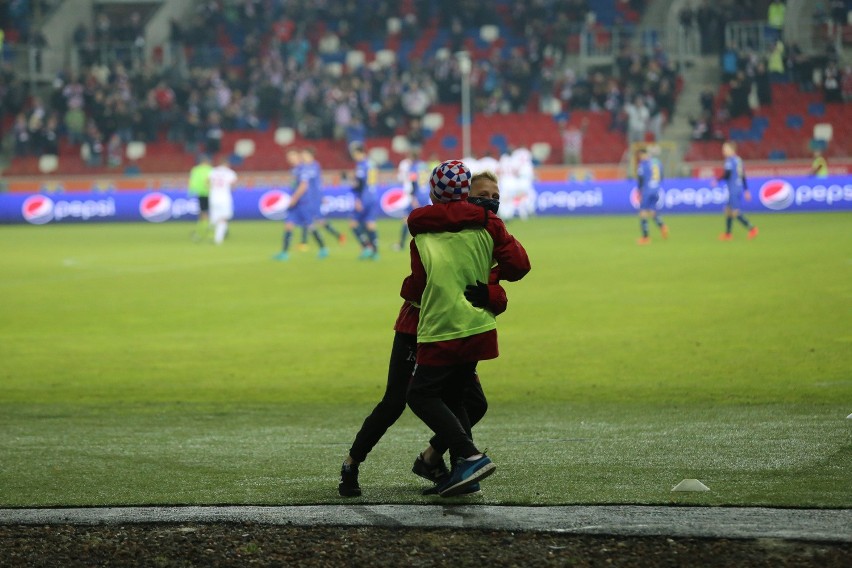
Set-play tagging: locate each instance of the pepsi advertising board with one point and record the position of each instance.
(549, 198)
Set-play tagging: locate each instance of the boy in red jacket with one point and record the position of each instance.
(429, 464)
(452, 333)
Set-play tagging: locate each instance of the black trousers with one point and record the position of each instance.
(390, 408)
(437, 395)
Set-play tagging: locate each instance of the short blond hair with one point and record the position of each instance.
(487, 174)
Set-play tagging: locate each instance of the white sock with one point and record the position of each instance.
(221, 229)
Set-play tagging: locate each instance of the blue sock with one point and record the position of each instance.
(659, 221)
(287, 236)
(359, 234)
(373, 239)
(741, 218)
(403, 235)
(318, 238)
(643, 224)
(304, 235)
(729, 223)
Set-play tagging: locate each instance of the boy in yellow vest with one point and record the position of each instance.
(453, 334)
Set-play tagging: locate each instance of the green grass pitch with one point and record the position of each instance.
(137, 367)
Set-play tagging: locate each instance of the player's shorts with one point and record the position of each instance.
(221, 208)
(368, 212)
(735, 199)
(203, 203)
(300, 215)
(649, 200)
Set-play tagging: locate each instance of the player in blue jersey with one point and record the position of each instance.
(735, 180)
(309, 158)
(649, 177)
(302, 209)
(366, 204)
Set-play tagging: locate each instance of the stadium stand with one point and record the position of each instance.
(316, 70)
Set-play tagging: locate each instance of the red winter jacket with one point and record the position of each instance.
(512, 265)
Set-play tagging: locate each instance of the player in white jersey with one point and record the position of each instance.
(222, 180)
(516, 181)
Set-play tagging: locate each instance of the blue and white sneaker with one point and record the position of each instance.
(323, 253)
(281, 256)
(466, 473)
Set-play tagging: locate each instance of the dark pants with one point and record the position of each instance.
(436, 395)
(389, 409)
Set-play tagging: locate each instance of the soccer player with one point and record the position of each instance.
(649, 176)
(302, 209)
(430, 463)
(363, 221)
(452, 334)
(222, 179)
(310, 163)
(199, 187)
(735, 179)
(409, 173)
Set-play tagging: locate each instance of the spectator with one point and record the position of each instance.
(95, 145)
(115, 151)
(638, 116)
(846, 84)
(213, 134)
(831, 86)
(776, 14)
(23, 142)
(764, 89)
(777, 70)
(572, 142)
(738, 94)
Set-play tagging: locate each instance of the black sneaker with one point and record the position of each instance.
(348, 486)
(434, 473)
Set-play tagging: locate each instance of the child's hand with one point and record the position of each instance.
(477, 294)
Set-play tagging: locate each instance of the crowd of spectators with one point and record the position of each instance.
(255, 64)
(748, 76)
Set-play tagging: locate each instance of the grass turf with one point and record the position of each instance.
(141, 368)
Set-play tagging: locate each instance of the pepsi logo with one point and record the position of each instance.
(396, 202)
(634, 198)
(273, 205)
(776, 194)
(156, 207)
(37, 209)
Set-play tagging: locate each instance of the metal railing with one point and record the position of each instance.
(753, 36)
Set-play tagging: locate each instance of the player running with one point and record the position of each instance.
(302, 208)
(735, 180)
(649, 176)
(363, 221)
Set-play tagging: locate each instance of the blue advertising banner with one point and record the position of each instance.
(551, 198)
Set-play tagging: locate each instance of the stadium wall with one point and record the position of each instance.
(270, 201)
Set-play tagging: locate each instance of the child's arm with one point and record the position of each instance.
(445, 217)
(511, 257)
